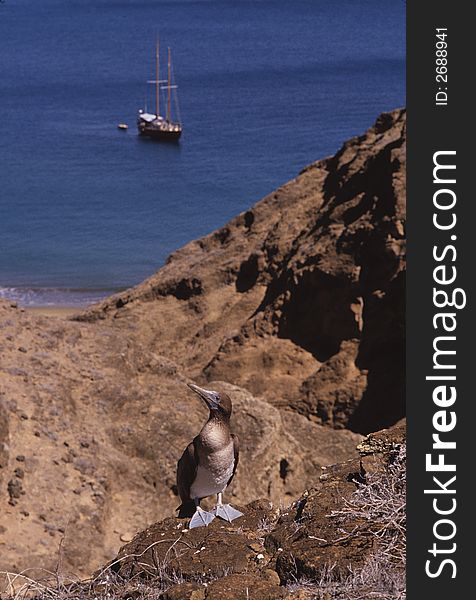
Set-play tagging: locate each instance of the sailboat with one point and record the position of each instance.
(155, 125)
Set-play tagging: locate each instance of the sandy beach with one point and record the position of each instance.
(54, 311)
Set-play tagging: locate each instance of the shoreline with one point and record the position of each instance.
(54, 311)
(59, 302)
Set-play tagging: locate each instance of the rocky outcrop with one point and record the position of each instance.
(321, 539)
(316, 547)
(299, 299)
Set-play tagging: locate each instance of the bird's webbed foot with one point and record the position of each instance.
(201, 518)
(227, 512)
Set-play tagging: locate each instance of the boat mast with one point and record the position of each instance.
(157, 78)
(168, 87)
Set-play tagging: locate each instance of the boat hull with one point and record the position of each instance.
(156, 133)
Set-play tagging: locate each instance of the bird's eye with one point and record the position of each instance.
(217, 398)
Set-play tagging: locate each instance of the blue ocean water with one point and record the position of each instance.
(265, 88)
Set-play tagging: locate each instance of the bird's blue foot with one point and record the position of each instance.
(201, 518)
(227, 512)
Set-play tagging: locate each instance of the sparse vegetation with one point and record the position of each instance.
(105, 585)
(372, 582)
(381, 501)
(376, 508)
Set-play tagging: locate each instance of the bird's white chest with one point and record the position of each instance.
(213, 473)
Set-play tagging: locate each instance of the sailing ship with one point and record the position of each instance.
(155, 125)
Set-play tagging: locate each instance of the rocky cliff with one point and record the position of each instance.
(301, 298)
(295, 307)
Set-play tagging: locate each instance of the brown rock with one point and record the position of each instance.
(243, 587)
(205, 553)
(15, 488)
(303, 595)
(308, 535)
(271, 576)
(4, 445)
(185, 591)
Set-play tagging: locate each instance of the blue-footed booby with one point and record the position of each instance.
(208, 463)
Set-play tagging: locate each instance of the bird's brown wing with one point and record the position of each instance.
(236, 451)
(186, 472)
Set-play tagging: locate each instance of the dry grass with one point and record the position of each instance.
(372, 582)
(106, 585)
(101, 588)
(379, 507)
(380, 503)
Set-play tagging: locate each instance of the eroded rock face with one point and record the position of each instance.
(301, 298)
(309, 536)
(4, 439)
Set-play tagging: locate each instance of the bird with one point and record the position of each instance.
(208, 464)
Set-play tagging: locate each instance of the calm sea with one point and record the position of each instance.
(265, 87)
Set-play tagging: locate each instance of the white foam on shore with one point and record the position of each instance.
(54, 297)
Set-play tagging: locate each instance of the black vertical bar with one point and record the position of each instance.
(432, 128)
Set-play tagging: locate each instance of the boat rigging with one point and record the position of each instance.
(155, 125)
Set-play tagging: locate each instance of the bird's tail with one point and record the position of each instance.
(186, 509)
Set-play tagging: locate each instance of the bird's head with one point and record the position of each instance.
(218, 403)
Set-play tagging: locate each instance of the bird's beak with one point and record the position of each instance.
(207, 395)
